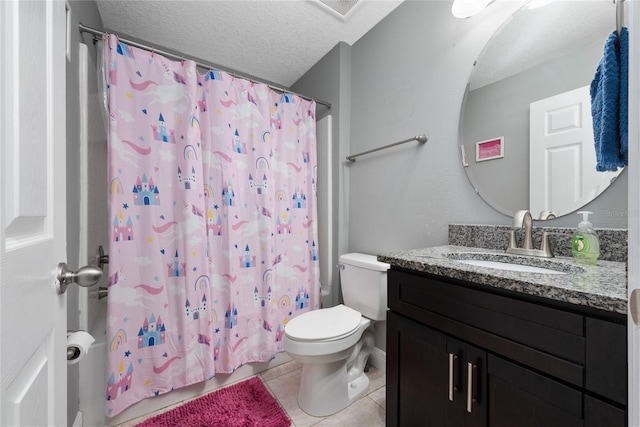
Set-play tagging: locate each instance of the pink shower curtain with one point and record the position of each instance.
(214, 242)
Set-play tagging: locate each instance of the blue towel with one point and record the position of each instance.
(624, 94)
(606, 106)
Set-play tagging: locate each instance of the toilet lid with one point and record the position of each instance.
(324, 324)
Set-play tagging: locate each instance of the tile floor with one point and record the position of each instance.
(283, 382)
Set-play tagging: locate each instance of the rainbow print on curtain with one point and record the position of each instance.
(214, 242)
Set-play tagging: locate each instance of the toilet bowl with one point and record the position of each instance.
(334, 344)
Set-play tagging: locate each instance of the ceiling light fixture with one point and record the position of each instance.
(340, 6)
(468, 8)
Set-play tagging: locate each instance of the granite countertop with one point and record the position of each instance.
(603, 286)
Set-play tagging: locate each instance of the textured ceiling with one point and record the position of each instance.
(272, 40)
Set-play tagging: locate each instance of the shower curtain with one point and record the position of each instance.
(214, 243)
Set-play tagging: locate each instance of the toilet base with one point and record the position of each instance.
(327, 388)
(358, 386)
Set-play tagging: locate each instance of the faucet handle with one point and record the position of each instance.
(545, 245)
(512, 237)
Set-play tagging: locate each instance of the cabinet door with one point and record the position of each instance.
(607, 359)
(523, 398)
(416, 374)
(467, 388)
(598, 413)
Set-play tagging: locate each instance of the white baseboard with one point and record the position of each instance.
(78, 421)
(378, 358)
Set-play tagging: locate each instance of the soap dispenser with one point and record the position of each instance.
(584, 244)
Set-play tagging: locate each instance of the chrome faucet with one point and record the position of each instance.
(523, 219)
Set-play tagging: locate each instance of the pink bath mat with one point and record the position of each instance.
(244, 404)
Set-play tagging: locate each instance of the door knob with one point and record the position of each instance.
(85, 277)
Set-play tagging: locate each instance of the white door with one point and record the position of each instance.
(32, 213)
(562, 158)
(633, 320)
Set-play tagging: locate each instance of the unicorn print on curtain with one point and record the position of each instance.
(213, 218)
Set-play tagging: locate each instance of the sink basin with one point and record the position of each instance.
(509, 266)
(517, 263)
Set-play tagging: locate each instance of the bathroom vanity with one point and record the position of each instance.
(474, 346)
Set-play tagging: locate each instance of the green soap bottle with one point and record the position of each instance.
(585, 245)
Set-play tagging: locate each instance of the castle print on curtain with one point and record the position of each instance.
(213, 219)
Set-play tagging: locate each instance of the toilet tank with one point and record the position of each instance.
(364, 284)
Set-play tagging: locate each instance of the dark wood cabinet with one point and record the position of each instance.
(458, 355)
(520, 395)
(467, 384)
(420, 374)
(441, 377)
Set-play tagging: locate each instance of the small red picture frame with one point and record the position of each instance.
(490, 149)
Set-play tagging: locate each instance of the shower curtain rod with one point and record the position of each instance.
(98, 33)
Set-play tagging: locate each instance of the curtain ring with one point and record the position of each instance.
(153, 51)
(182, 61)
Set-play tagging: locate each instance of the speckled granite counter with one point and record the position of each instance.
(603, 286)
(613, 242)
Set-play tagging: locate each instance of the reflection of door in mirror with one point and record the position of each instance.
(561, 151)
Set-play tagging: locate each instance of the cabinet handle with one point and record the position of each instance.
(452, 361)
(471, 370)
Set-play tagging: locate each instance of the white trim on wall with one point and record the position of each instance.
(378, 358)
(633, 216)
(78, 421)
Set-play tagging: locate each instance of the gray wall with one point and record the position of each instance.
(86, 12)
(411, 71)
(408, 76)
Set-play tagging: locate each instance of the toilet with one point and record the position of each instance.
(333, 344)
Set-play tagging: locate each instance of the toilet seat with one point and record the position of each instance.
(328, 324)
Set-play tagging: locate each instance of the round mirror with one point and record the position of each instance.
(526, 136)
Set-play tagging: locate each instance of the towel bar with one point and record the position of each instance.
(419, 138)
